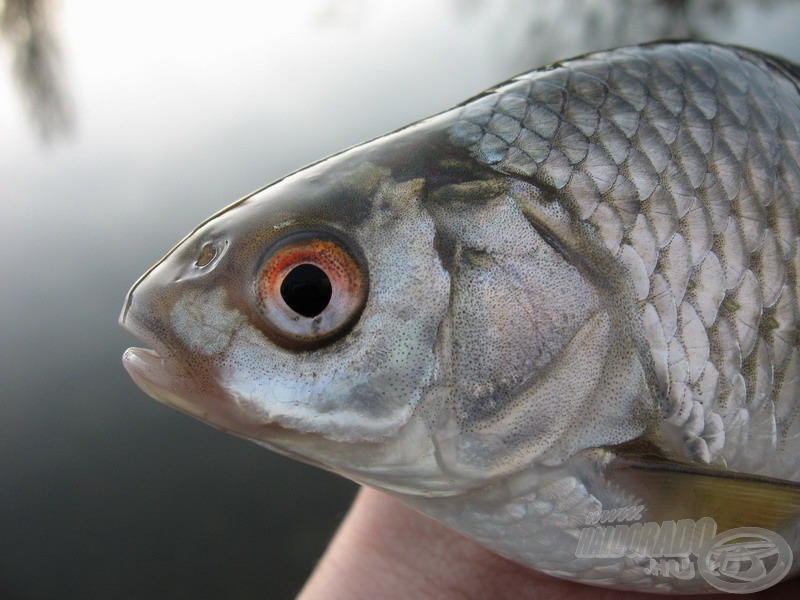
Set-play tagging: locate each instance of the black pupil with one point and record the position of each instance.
(306, 290)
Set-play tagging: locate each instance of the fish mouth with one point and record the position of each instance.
(156, 371)
(155, 376)
(160, 375)
(149, 371)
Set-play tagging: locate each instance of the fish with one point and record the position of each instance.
(561, 318)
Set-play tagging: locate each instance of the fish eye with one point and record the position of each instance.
(310, 289)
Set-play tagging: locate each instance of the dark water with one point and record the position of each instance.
(161, 114)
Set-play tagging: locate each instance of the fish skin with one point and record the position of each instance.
(590, 264)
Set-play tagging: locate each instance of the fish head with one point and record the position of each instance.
(303, 317)
(414, 333)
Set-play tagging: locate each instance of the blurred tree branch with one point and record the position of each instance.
(26, 26)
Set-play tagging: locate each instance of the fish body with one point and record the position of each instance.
(574, 293)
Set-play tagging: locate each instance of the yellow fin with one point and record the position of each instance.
(671, 491)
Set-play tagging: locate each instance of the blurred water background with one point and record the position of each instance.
(122, 125)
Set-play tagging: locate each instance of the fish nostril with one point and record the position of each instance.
(207, 257)
(207, 254)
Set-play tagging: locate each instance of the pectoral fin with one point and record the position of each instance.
(671, 491)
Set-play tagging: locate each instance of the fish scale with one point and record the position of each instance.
(685, 160)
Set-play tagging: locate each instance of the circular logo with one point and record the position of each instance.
(745, 560)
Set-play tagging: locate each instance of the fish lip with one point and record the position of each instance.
(155, 370)
(154, 375)
(145, 366)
